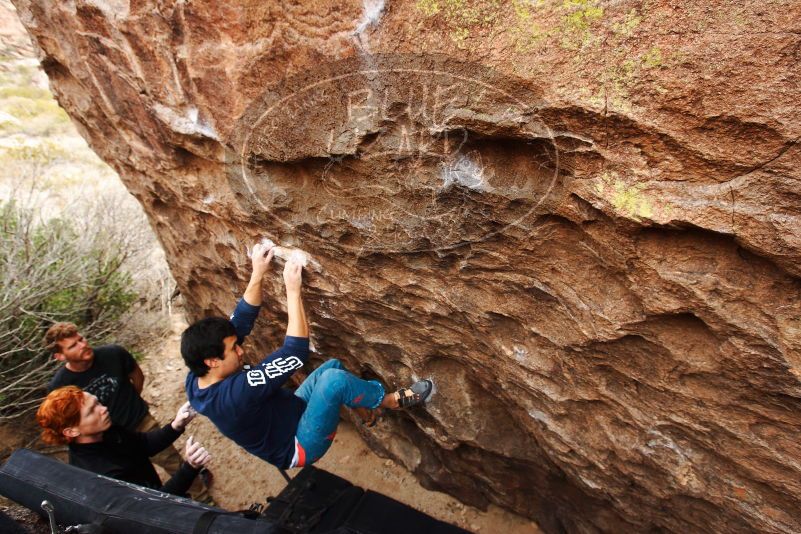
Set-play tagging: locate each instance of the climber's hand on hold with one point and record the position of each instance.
(260, 257)
(293, 277)
(297, 325)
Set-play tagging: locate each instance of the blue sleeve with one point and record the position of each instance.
(243, 318)
(272, 372)
(299, 346)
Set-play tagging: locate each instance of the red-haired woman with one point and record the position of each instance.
(70, 415)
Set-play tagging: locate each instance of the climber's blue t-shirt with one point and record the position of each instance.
(250, 407)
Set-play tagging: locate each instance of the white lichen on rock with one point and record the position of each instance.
(189, 124)
(464, 172)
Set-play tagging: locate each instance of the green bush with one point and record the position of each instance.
(53, 270)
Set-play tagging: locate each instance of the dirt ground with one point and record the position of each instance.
(241, 479)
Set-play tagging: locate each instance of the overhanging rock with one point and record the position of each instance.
(580, 218)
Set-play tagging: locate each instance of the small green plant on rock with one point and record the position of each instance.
(629, 200)
(577, 23)
(462, 17)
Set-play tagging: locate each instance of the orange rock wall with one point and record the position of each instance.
(580, 218)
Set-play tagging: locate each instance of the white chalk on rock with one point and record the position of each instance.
(372, 11)
(266, 241)
(289, 254)
(298, 256)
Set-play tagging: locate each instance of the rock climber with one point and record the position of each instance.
(248, 404)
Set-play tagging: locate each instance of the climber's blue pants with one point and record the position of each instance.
(326, 389)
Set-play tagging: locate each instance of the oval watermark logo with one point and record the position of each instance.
(394, 153)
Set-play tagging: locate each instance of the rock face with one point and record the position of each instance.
(581, 219)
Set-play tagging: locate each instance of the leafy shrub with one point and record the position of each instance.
(56, 269)
(74, 245)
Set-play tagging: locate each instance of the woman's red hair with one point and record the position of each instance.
(61, 409)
